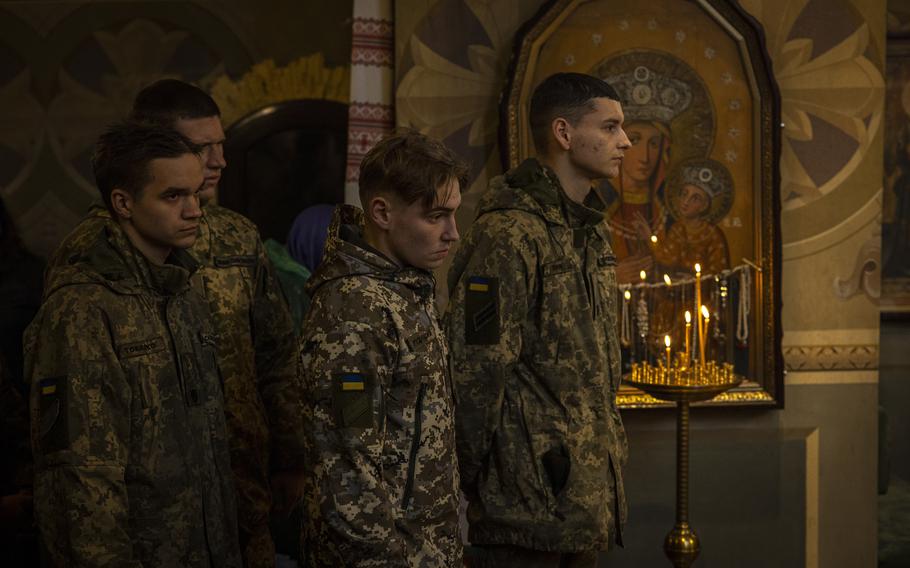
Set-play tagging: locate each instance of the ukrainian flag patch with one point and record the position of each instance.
(48, 386)
(481, 311)
(478, 284)
(352, 382)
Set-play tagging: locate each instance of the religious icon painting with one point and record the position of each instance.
(699, 184)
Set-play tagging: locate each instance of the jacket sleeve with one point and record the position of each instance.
(348, 353)
(491, 285)
(80, 416)
(275, 343)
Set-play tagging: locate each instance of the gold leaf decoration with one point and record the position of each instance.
(266, 83)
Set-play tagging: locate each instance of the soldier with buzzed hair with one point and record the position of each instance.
(382, 480)
(535, 355)
(254, 332)
(132, 465)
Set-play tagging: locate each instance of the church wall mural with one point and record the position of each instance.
(68, 68)
(828, 61)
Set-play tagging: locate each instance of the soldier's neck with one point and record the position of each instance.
(154, 252)
(574, 183)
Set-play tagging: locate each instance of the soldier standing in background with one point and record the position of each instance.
(535, 356)
(382, 480)
(128, 431)
(256, 345)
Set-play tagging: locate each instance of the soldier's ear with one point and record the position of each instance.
(379, 210)
(562, 132)
(122, 203)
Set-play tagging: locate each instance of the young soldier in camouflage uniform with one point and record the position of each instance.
(255, 342)
(128, 429)
(535, 356)
(382, 480)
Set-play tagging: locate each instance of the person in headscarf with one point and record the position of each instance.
(295, 262)
(306, 239)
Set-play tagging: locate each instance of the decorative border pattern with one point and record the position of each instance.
(831, 357)
(371, 114)
(753, 397)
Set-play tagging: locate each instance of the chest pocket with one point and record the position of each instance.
(605, 279)
(563, 300)
(150, 370)
(229, 287)
(140, 360)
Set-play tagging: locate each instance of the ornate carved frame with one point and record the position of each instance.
(765, 385)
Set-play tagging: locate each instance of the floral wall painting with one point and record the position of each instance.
(700, 183)
(895, 290)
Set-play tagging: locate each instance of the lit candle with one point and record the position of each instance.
(654, 239)
(701, 339)
(627, 295)
(667, 280)
(707, 315)
(667, 343)
(643, 275)
(688, 333)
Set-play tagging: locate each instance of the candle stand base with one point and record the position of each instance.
(681, 546)
(683, 384)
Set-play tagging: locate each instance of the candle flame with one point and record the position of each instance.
(654, 239)
(705, 313)
(627, 295)
(667, 340)
(697, 268)
(688, 316)
(643, 274)
(667, 279)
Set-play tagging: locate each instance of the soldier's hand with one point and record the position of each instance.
(287, 492)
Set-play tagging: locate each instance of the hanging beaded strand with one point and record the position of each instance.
(744, 307)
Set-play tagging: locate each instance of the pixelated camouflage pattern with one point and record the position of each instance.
(385, 493)
(128, 430)
(257, 358)
(257, 355)
(540, 441)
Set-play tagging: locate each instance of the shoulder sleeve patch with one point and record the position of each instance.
(53, 426)
(352, 399)
(481, 311)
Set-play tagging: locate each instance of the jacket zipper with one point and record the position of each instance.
(415, 445)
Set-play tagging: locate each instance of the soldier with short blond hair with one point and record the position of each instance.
(382, 477)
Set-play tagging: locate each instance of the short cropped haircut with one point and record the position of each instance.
(125, 151)
(166, 101)
(412, 167)
(564, 95)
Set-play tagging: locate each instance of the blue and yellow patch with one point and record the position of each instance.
(481, 311)
(352, 399)
(478, 284)
(48, 386)
(352, 382)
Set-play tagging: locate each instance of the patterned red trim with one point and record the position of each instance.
(372, 26)
(371, 57)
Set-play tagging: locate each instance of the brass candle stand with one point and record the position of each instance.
(683, 383)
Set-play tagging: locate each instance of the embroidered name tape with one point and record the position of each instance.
(138, 348)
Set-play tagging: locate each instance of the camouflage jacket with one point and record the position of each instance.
(257, 356)
(128, 431)
(531, 324)
(381, 466)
